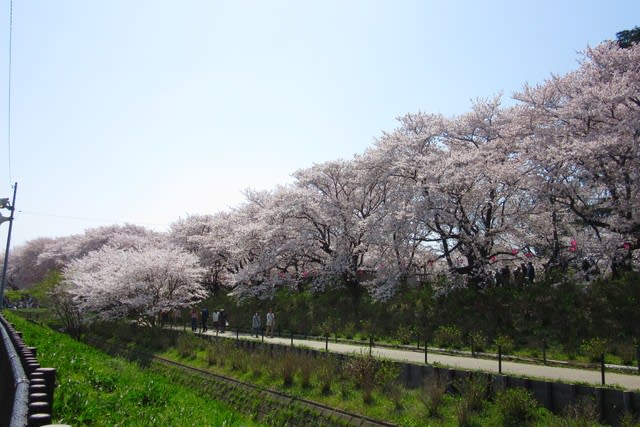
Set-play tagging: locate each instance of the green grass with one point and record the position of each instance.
(114, 392)
(344, 393)
(95, 389)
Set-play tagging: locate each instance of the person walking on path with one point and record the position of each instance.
(194, 319)
(205, 318)
(215, 317)
(531, 272)
(256, 326)
(271, 323)
(222, 320)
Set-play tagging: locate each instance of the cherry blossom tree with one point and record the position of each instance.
(341, 206)
(65, 249)
(466, 180)
(25, 268)
(139, 284)
(268, 247)
(553, 179)
(209, 237)
(586, 137)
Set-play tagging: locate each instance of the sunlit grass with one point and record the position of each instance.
(99, 390)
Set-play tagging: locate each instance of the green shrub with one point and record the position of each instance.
(349, 330)
(473, 390)
(325, 328)
(389, 382)
(477, 340)
(463, 412)
(404, 334)
(505, 342)
(305, 367)
(363, 370)
(238, 359)
(211, 354)
(259, 360)
(366, 328)
(432, 396)
(627, 352)
(326, 373)
(285, 367)
(583, 412)
(448, 337)
(517, 406)
(187, 346)
(628, 420)
(594, 348)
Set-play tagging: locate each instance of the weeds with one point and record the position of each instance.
(285, 368)
(187, 346)
(478, 341)
(517, 406)
(306, 367)
(388, 374)
(505, 343)
(448, 337)
(626, 352)
(405, 334)
(325, 373)
(594, 348)
(582, 412)
(434, 389)
(473, 390)
(363, 370)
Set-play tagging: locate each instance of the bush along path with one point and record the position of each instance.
(357, 383)
(267, 405)
(623, 377)
(610, 404)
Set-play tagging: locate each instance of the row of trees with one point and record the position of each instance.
(553, 179)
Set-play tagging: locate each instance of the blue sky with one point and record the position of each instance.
(145, 111)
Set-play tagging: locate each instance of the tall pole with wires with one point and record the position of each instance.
(9, 90)
(12, 209)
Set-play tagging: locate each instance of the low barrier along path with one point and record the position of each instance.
(518, 369)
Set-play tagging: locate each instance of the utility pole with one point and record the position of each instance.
(4, 203)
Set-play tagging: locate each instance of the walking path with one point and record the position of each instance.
(570, 375)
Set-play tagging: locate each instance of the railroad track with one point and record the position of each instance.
(324, 415)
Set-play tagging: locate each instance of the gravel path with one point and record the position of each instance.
(571, 375)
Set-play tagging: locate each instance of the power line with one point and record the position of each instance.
(9, 90)
(89, 219)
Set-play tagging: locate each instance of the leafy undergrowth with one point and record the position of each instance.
(344, 384)
(95, 389)
(113, 392)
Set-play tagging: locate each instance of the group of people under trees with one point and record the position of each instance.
(523, 274)
(219, 319)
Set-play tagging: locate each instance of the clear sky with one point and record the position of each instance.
(145, 111)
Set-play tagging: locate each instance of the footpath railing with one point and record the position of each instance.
(425, 346)
(26, 388)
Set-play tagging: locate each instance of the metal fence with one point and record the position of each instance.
(26, 388)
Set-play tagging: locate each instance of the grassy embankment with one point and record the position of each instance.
(98, 390)
(358, 385)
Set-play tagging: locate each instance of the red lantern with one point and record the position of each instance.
(574, 245)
